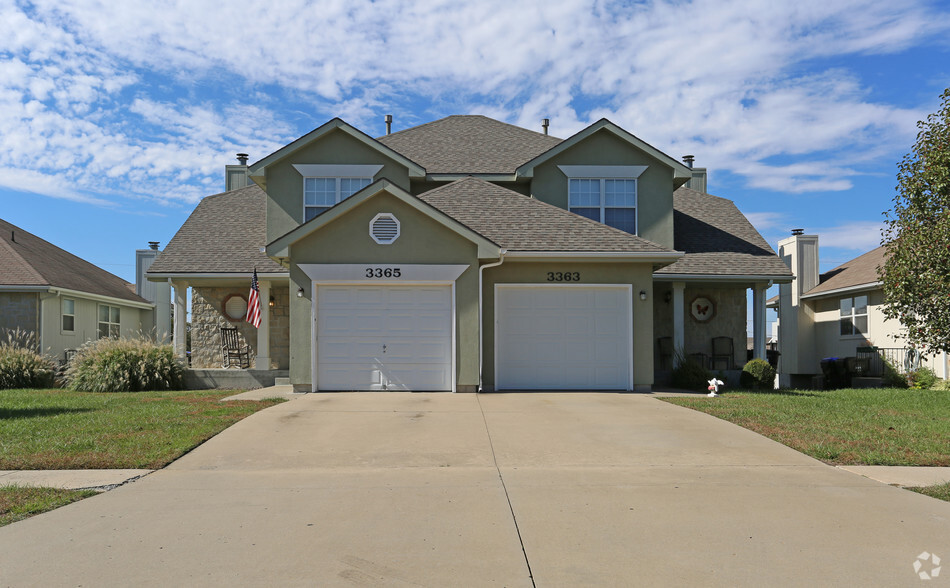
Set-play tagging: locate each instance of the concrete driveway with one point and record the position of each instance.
(399, 489)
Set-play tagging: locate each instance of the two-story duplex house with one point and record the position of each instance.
(468, 254)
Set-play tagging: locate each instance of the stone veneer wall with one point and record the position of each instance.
(207, 318)
(18, 310)
(729, 321)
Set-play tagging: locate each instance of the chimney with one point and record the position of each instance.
(235, 176)
(144, 258)
(545, 123)
(153, 245)
(389, 124)
(697, 180)
(796, 331)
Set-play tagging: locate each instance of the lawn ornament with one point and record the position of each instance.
(714, 386)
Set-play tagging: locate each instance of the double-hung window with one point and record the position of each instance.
(854, 316)
(69, 315)
(604, 193)
(109, 321)
(326, 185)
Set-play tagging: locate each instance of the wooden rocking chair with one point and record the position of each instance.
(235, 352)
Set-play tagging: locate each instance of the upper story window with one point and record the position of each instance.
(325, 185)
(604, 193)
(109, 321)
(854, 316)
(69, 315)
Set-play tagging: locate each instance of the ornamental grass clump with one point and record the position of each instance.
(21, 365)
(124, 365)
(757, 374)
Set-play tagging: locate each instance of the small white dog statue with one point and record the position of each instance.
(714, 386)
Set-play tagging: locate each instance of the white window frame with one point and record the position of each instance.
(68, 314)
(337, 172)
(853, 316)
(602, 173)
(117, 325)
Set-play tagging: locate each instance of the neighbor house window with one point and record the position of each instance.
(69, 314)
(611, 201)
(319, 194)
(854, 316)
(108, 321)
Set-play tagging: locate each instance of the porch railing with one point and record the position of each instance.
(872, 359)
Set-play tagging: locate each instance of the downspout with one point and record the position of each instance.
(481, 322)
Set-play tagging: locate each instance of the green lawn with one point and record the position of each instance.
(941, 491)
(844, 427)
(58, 429)
(18, 503)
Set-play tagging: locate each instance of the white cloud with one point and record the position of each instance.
(150, 100)
(856, 236)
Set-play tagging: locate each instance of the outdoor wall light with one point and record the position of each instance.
(270, 302)
(300, 292)
(668, 297)
(643, 294)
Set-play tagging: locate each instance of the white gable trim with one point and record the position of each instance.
(602, 171)
(318, 170)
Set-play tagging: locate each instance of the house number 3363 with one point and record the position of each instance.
(564, 276)
(379, 272)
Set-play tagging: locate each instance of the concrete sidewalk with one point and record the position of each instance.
(397, 489)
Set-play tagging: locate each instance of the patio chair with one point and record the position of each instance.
(723, 354)
(236, 353)
(664, 347)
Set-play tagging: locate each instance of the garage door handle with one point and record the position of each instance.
(384, 348)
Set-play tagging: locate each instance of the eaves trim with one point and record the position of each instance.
(846, 289)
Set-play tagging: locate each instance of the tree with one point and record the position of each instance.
(916, 270)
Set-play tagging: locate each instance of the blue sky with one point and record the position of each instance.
(116, 118)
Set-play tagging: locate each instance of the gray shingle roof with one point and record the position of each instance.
(718, 239)
(224, 234)
(27, 260)
(519, 223)
(859, 271)
(469, 144)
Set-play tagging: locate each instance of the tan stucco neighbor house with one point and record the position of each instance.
(467, 254)
(838, 314)
(65, 301)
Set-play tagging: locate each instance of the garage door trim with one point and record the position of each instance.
(627, 288)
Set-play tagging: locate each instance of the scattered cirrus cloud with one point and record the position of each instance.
(105, 101)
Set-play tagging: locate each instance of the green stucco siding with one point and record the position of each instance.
(654, 186)
(285, 184)
(639, 275)
(422, 240)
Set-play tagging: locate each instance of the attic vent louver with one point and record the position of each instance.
(384, 228)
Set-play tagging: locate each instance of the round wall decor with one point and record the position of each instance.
(234, 307)
(702, 309)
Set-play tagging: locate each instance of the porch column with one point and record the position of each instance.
(679, 330)
(262, 362)
(758, 321)
(181, 311)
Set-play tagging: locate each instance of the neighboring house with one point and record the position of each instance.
(468, 254)
(834, 314)
(64, 300)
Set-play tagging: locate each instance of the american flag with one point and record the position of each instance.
(254, 303)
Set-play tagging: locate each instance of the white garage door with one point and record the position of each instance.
(384, 337)
(563, 337)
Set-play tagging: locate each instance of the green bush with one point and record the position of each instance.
(757, 374)
(893, 378)
(124, 365)
(21, 366)
(923, 378)
(689, 374)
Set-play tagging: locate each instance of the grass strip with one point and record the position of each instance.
(59, 429)
(20, 502)
(941, 491)
(872, 426)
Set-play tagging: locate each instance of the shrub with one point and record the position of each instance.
(124, 365)
(757, 374)
(923, 378)
(689, 374)
(893, 378)
(21, 366)
(942, 385)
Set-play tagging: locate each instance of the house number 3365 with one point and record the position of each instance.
(379, 272)
(564, 276)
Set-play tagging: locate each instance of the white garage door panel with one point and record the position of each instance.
(384, 338)
(563, 337)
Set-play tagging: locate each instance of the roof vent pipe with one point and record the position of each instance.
(389, 123)
(545, 123)
(242, 158)
(153, 245)
(688, 160)
(797, 232)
